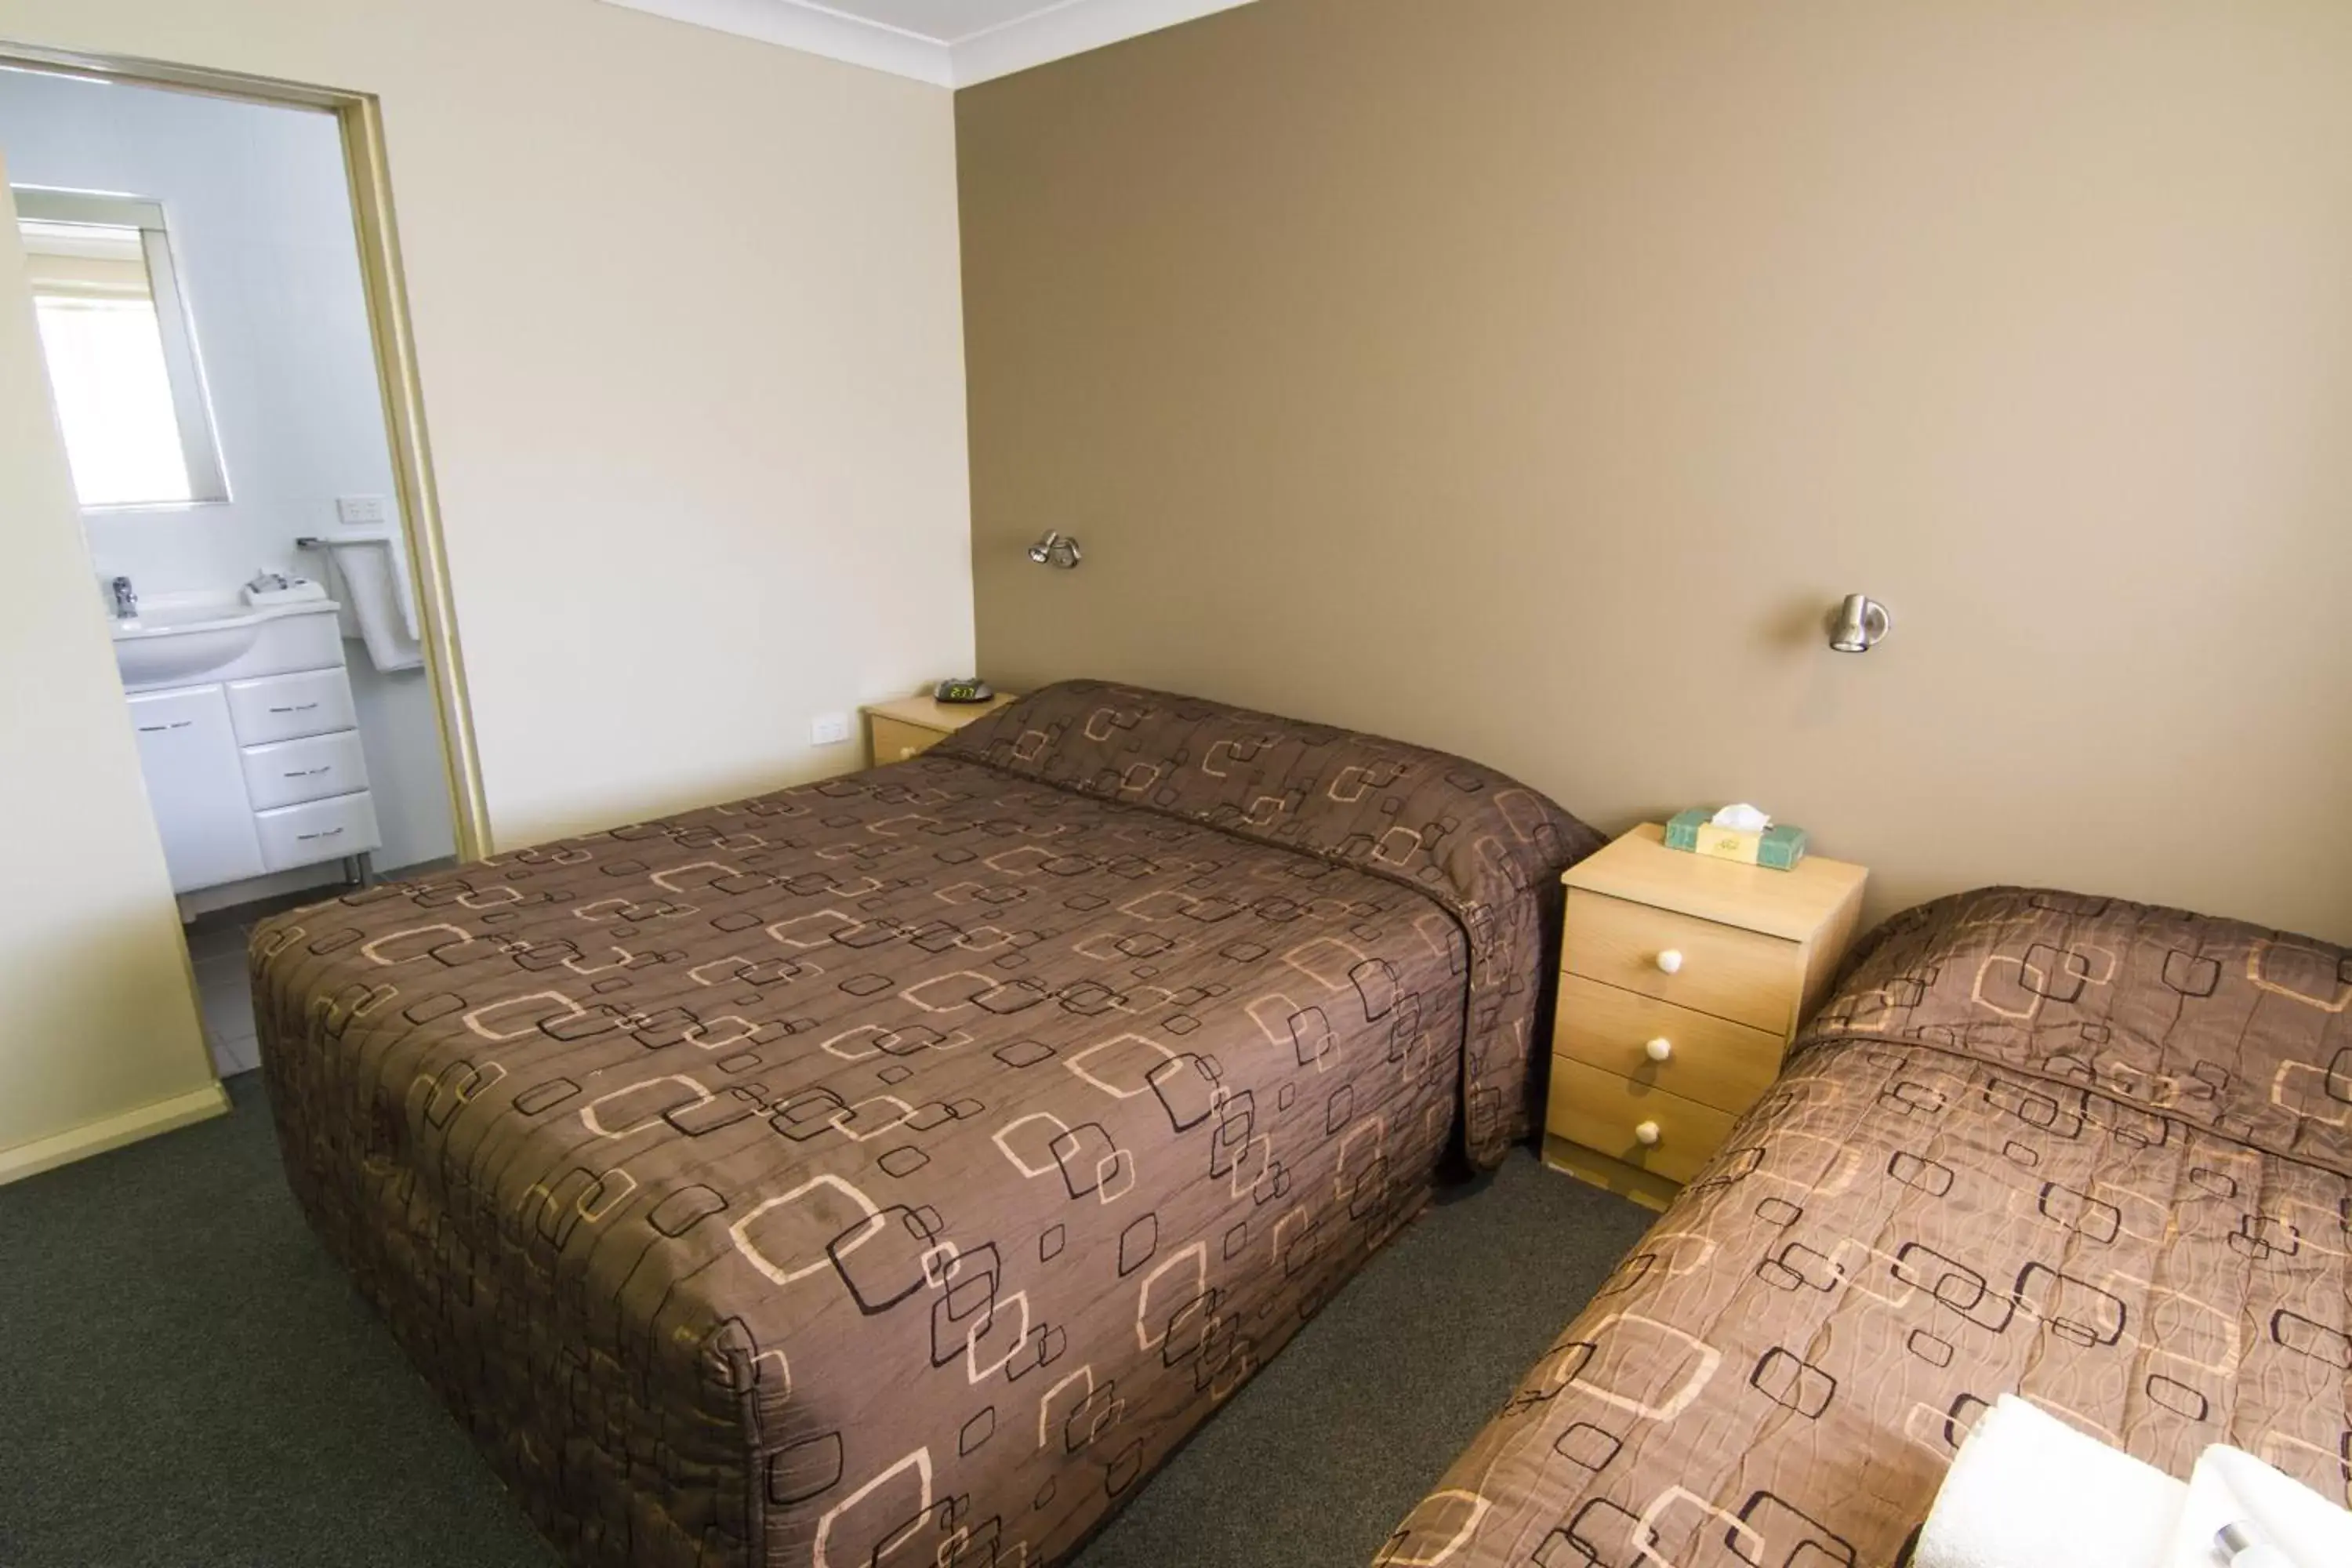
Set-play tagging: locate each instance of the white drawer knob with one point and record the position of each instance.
(906, 751)
(1660, 1048)
(1646, 1133)
(1671, 960)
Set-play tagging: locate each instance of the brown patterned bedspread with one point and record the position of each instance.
(894, 1170)
(2088, 1151)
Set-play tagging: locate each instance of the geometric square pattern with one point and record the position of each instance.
(2126, 1196)
(895, 1168)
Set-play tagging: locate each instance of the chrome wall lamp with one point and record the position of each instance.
(1859, 625)
(1056, 549)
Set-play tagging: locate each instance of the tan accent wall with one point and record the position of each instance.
(1530, 377)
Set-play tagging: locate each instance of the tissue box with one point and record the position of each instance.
(1777, 849)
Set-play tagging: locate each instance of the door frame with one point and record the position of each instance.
(359, 116)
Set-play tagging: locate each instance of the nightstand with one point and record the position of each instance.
(1682, 981)
(913, 725)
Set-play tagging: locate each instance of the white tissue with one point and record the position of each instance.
(1742, 818)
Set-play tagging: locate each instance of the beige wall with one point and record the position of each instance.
(98, 1019)
(687, 317)
(1528, 376)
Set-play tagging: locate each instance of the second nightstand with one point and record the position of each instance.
(1683, 980)
(913, 725)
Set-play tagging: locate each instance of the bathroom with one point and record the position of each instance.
(203, 310)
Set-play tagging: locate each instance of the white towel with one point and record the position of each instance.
(2229, 1486)
(2029, 1491)
(370, 569)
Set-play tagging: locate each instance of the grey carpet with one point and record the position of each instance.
(186, 1381)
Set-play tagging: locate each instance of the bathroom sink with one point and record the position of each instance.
(186, 639)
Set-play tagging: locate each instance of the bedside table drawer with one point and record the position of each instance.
(1709, 1060)
(894, 741)
(1605, 1112)
(1732, 973)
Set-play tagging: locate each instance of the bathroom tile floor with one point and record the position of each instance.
(216, 947)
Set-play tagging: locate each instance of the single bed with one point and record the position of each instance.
(895, 1169)
(2084, 1151)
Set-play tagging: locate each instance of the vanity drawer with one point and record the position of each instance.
(282, 706)
(1739, 975)
(317, 830)
(1602, 1110)
(894, 741)
(289, 772)
(1709, 1060)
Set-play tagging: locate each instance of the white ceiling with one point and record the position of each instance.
(949, 43)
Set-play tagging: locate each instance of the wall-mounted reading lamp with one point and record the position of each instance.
(1860, 625)
(1056, 549)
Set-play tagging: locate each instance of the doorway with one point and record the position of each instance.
(216, 289)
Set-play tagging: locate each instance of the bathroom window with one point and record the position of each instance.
(122, 362)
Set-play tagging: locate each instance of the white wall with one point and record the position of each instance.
(261, 235)
(259, 213)
(688, 319)
(97, 1018)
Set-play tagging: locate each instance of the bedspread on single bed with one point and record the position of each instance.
(891, 1170)
(1935, 1207)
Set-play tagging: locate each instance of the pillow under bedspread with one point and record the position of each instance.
(1482, 844)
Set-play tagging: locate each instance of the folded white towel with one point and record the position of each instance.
(2029, 1491)
(2229, 1486)
(369, 567)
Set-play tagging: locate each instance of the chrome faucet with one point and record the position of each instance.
(126, 599)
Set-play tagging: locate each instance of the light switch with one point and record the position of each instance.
(359, 511)
(829, 728)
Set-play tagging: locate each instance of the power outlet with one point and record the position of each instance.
(359, 511)
(829, 728)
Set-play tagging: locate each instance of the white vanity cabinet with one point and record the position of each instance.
(188, 752)
(259, 768)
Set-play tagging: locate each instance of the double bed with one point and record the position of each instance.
(895, 1169)
(2092, 1152)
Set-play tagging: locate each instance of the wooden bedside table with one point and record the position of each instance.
(1682, 981)
(913, 725)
